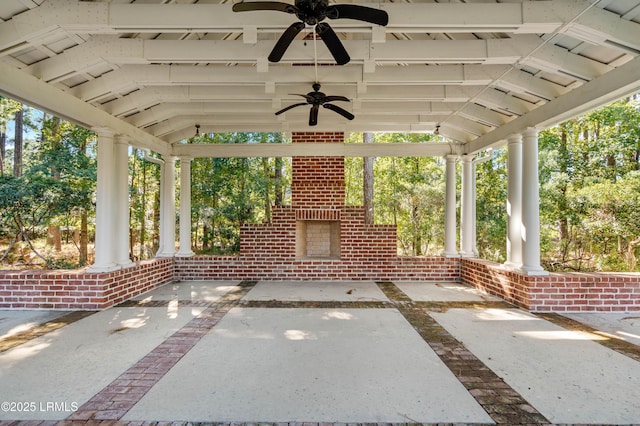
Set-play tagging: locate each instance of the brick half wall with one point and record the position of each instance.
(81, 290)
(433, 269)
(562, 292)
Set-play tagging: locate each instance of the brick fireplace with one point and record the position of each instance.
(317, 236)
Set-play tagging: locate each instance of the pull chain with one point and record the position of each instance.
(315, 53)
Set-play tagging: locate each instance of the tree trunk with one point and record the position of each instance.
(278, 183)
(54, 230)
(205, 237)
(142, 215)
(84, 238)
(156, 221)
(3, 147)
(563, 205)
(55, 239)
(18, 141)
(367, 186)
(267, 200)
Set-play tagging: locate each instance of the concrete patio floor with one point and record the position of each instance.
(318, 352)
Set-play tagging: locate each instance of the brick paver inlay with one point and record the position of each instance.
(115, 400)
(501, 402)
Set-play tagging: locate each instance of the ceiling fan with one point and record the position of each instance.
(317, 98)
(312, 12)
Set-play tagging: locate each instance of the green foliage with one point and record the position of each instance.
(409, 193)
(31, 201)
(588, 192)
(491, 215)
(57, 184)
(144, 206)
(8, 108)
(228, 192)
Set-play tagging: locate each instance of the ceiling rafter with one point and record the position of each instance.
(475, 69)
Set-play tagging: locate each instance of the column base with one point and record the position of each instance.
(165, 254)
(533, 271)
(451, 254)
(126, 264)
(185, 254)
(100, 269)
(467, 254)
(511, 266)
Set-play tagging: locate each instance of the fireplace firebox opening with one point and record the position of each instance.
(318, 239)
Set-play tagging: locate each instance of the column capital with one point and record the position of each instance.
(122, 139)
(530, 132)
(452, 157)
(514, 139)
(185, 158)
(104, 132)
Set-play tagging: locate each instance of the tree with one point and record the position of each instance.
(576, 158)
(409, 194)
(30, 201)
(491, 215)
(18, 142)
(228, 192)
(367, 185)
(8, 108)
(64, 156)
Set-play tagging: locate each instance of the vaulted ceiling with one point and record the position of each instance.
(477, 70)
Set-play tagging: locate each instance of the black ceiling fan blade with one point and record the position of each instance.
(313, 115)
(289, 107)
(285, 40)
(264, 5)
(343, 112)
(360, 13)
(307, 97)
(333, 43)
(336, 98)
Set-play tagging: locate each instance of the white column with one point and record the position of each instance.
(466, 209)
(121, 198)
(450, 207)
(185, 208)
(105, 204)
(530, 205)
(514, 202)
(474, 210)
(167, 210)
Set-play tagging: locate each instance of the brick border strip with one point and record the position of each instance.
(504, 404)
(609, 341)
(117, 398)
(315, 304)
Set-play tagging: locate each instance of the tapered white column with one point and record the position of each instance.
(105, 204)
(185, 208)
(121, 199)
(450, 208)
(530, 205)
(514, 202)
(474, 213)
(466, 208)
(167, 210)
